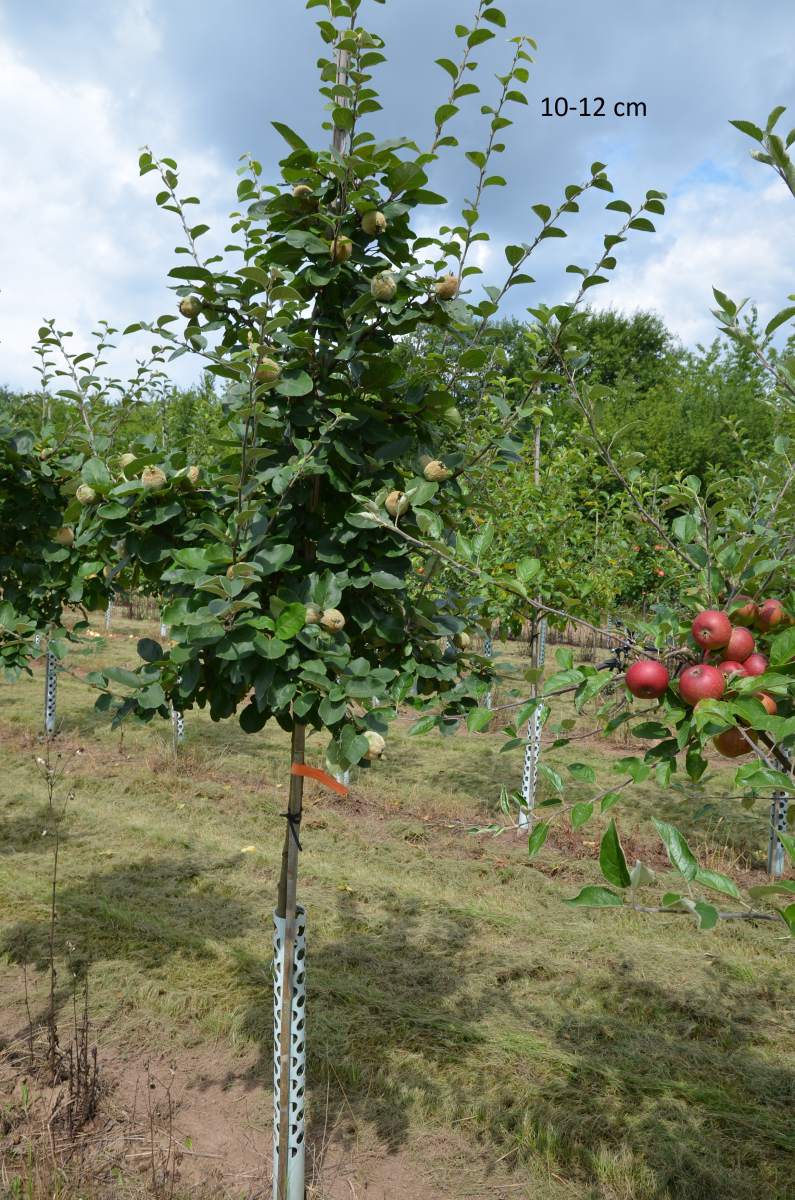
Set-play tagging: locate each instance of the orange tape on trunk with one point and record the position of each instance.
(320, 776)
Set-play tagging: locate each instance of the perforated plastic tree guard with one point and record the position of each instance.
(296, 1149)
(109, 615)
(50, 693)
(778, 824)
(533, 748)
(178, 717)
(488, 651)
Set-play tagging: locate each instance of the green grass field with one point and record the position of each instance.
(469, 1034)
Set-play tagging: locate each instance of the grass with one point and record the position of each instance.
(454, 999)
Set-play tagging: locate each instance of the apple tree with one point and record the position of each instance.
(288, 557)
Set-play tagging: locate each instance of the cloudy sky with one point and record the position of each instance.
(84, 85)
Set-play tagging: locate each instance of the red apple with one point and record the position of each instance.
(767, 702)
(711, 629)
(739, 646)
(769, 614)
(742, 610)
(732, 744)
(701, 682)
(728, 668)
(647, 679)
(755, 664)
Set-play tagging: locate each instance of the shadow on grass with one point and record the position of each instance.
(626, 1087)
(142, 913)
(661, 1096)
(718, 821)
(31, 831)
(389, 1008)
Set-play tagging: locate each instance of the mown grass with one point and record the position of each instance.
(608, 1056)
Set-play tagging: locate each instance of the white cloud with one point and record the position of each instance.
(737, 239)
(136, 29)
(80, 236)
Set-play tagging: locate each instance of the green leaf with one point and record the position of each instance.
(651, 729)
(611, 858)
(785, 888)
(353, 744)
(447, 65)
(123, 676)
(581, 813)
(444, 113)
(718, 882)
(251, 719)
(562, 679)
(637, 770)
(679, 852)
(582, 772)
(192, 559)
(609, 800)
(290, 621)
(294, 383)
(96, 474)
(290, 136)
(748, 128)
(149, 650)
(304, 240)
(788, 917)
(596, 897)
(527, 569)
(788, 842)
(423, 725)
(478, 719)
(591, 687)
(496, 16)
(269, 647)
(387, 582)
(774, 116)
(474, 357)
(755, 775)
(782, 648)
(707, 915)
(552, 777)
(786, 314)
(342, 117)
(641, 875)
(273, 558)
(537, 838)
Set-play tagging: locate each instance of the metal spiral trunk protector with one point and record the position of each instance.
(488, 650)
(779, 807)
(533, 748)
(178, 717)
(50, 693)
(296, 1148)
